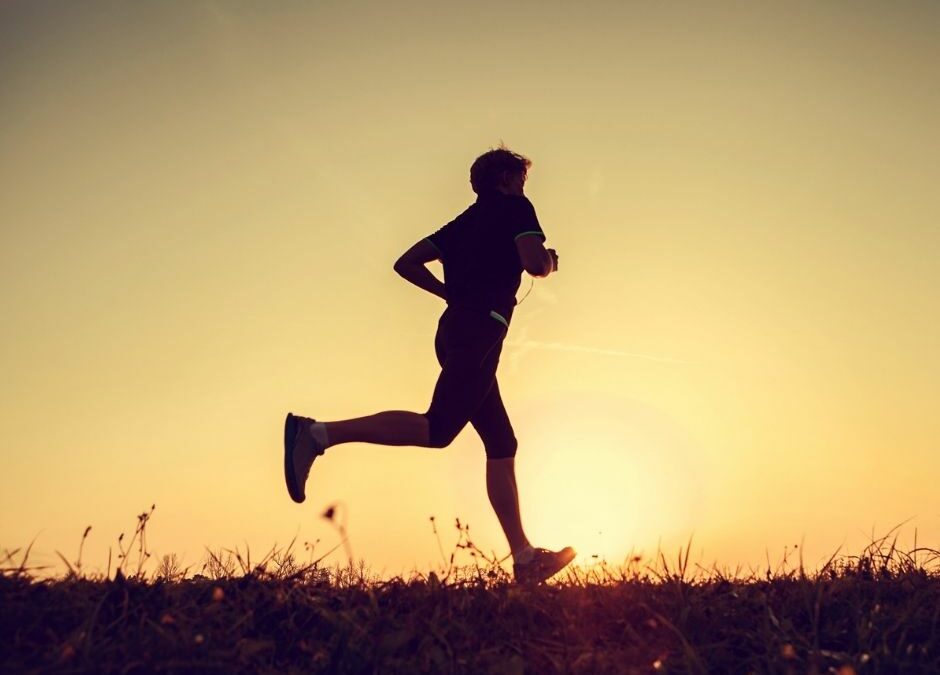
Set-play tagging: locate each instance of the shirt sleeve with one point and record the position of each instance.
(442, 238)
(523, 221)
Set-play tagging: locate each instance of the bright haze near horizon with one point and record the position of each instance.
(201, 204)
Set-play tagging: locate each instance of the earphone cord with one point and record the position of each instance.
(531, 284)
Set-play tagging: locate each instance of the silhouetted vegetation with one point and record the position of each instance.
(876, 612)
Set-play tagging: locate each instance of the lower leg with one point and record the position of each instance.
(504, 497)
(392, 427)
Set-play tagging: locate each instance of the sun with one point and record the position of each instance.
(606, 475)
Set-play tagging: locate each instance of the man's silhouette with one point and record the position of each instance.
(484, 251)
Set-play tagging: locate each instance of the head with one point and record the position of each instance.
(499, 170)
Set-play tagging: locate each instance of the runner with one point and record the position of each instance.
(483, 251)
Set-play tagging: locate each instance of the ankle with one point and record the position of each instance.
(524, 554)
(318, 431)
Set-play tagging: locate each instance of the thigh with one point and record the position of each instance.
(468, 346)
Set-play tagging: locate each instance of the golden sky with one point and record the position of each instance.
(201, 203)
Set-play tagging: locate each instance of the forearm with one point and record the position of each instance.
(423, 278)
(548, 265)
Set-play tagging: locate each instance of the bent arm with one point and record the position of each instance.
(535, 258)
(411, 267)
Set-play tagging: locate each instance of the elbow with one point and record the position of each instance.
(404, 268)
(538, 271)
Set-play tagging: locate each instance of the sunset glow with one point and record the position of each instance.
(201, 204)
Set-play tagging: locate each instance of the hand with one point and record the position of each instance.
(554, 257)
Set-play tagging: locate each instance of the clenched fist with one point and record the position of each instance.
(554, 256)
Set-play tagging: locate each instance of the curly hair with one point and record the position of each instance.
(487, 170)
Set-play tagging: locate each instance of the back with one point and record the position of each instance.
(482, 269)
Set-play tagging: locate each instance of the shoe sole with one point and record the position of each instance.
(545, 575)
(290, 434)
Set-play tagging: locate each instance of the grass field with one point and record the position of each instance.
(875, 612)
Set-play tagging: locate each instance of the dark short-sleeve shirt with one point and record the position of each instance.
(482, 269)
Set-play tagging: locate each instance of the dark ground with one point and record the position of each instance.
(872, 613)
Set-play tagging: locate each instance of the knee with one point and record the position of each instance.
(503, 449)
(441, 432)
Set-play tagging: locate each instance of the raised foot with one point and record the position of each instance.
(543, 565)
(300, 449)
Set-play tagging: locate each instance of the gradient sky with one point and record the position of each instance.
(201, 203)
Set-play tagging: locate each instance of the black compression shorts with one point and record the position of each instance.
(468, 344)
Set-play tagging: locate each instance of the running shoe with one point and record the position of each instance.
(300, 449)
(544, 564)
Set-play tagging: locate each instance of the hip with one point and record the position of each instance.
(470, 330)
